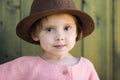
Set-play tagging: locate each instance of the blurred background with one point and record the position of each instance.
(102, 47)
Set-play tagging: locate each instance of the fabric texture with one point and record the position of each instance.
(35, 68)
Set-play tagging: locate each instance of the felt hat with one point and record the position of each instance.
(42, 8)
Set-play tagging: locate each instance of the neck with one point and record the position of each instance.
(67, 59)
(48, 56)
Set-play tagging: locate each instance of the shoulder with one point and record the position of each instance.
(21, 61)
(88, 67)
(17, 67)
(20, 64)
(26, 59)
(86, 63)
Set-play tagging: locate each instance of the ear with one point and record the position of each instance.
(35, 36)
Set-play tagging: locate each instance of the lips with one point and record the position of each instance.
(59, 46)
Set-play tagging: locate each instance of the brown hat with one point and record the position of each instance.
(42, 8)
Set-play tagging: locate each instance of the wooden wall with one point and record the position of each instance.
(102, 47)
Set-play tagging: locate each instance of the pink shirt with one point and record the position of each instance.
(35, 68)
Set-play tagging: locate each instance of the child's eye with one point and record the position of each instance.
(49, 29)
(67, 28)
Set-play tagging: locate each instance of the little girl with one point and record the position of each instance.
(56, 26)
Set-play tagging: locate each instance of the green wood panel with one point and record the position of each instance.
(2, 30)
(10, 16)
(96, 46)
(109, 40)
(27, 48)
(116, 40)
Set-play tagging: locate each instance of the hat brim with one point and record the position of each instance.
(25, 24)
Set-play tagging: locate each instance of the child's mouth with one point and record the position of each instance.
(59, 46)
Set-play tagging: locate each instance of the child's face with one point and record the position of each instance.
(58, 34)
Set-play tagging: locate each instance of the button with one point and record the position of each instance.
(65, 72)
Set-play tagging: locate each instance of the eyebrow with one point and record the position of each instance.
(48, 26)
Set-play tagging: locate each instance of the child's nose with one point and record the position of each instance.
(59, 37)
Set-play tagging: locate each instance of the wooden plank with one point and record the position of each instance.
(98, 44)
(93, 44)
(109, 40)
(117, 40)
(3, 57)
(28, 48)
(10, 18)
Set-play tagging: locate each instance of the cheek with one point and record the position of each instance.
(44, 44)
(45, 40)
(72, 37)
(71, 40)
